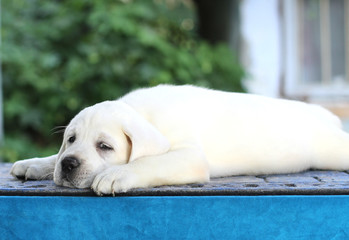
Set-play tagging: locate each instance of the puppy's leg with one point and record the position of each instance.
(182, 166)
(331, 150)
(35, 168)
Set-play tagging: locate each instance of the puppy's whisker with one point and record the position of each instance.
(58, 129)
(71, 182)
(63, 126)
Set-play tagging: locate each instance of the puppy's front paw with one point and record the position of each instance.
(29, 169)
(117, 179)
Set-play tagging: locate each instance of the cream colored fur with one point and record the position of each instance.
(185, 134)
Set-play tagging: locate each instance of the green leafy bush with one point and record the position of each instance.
(61, 56)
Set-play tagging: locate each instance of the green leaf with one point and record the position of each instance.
(61, 56)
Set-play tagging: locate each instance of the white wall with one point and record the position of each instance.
(261, 51)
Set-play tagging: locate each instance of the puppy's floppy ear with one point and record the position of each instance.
(146, 139)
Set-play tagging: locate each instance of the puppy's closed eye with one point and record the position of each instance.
(104, 146)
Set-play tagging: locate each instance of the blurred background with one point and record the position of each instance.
(60, 56)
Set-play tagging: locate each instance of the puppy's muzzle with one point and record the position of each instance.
(69, 164)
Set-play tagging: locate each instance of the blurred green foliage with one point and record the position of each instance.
(60, 56)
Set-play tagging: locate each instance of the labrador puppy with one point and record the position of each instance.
(169, 135)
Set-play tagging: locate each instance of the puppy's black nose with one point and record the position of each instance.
(69, 163)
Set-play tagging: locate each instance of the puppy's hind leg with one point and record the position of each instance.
(331, 151)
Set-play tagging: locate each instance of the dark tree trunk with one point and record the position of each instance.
(219, 21)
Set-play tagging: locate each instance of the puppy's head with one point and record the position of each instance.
(106, 134)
